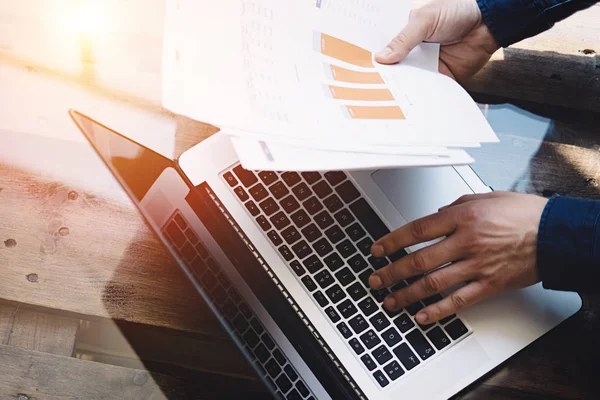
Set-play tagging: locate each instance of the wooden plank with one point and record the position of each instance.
(42, 376)
(558, 67)
(38, 331)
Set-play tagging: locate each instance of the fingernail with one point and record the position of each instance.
(442, 208)
(384, 52)
(377, 250)
(421, 318)
(390, 303)
(375, 281)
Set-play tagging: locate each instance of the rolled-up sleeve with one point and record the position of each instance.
(513, 20)
(568, 245)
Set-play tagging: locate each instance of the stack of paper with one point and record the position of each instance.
(296, 86)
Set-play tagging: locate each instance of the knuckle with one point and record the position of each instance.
(458, 301)
(431, 284)
(388, 274)
(419, 229)
(469, 214)
(418, 263)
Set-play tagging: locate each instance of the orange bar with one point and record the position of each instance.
(344, 51)
(381, 112)
(343, 93)
(346, 75)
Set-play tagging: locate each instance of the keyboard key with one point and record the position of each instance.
(324, 220)
(290, 204)
(300, 218)
(240, 323)
(313, 205)
(311, 177)
(431, 300)
(302, 191)
(257, 326)
(406, 356)
(344, 330)
(188, 253)
(245, 310)
(449, 318)
(246, 177)
(252, 208)
(347, 309)
(297, 268)
(230, 179)
(198, 266)
(424, 328)
(262, 353)
(309, 283)
(344, 218)
(391, 314)
(219, 295)
(365, 246)
(346, 248)
(258, 192)
(209, 280)
(369, 219)
(368, 306)
(241, 193)
(263, 223)
(267, 341)
(290, 372)
(235, 296)
(370, 339)
(378, 262)
(302, 388)
(291, 178)
(380, 294)
(397, 255)
(229, 309)
(286, 253)
(275, 238)
(251, 338)
(175, 234)
(267, 177)
(212, 264)
(381, 379)
(393, 370)
(379, 321)
(333, 203)
(356, 291)
(357, 263)
(356, 346)
(273, 368)
(382, 355)
(335, 293)
(269, 206)
(345, 276)
(201, 250)
(332, 314)
(391, 337)
(404, 323)
(364, 277)
(280, 220)
(279, 190)
(456, 329)
(322, 247)
(324, 279)
(355, 231)
(293, 395)
(414, 308)
(335, 177)
(283, 383)
(334, 262)
(291, 235)
(420, 344)
(321, 299)
(368, 361)
(358, 324)
(334, 234)
(348, 192)
(438, 338)
(311, 232)
(313, 264)
(322, 189)
(301, 249)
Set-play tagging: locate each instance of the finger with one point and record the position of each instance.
(418, 29)
(418, 263)
(455, 302)
(421, 230)
(430, 284)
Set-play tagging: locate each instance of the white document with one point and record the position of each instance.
(256, 155)
(305, 70)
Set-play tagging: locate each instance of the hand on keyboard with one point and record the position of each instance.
(490, 241)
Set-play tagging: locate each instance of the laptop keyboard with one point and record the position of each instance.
(270, 360)
(323, 228)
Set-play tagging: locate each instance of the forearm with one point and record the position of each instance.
(568, 247)
(513, 20)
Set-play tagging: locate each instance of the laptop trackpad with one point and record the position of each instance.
(417, 192)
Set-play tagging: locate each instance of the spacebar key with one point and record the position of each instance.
(369, 219)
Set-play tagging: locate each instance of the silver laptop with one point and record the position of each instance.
(283, 260)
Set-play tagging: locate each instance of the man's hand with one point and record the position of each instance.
(467, 43)
(490, 239)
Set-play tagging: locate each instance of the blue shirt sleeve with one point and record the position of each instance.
(568, 245)
(513, 20)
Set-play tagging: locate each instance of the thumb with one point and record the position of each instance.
(418, 30)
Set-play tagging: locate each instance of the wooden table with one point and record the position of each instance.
(92, 306)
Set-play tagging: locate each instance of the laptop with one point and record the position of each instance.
(283, 260)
